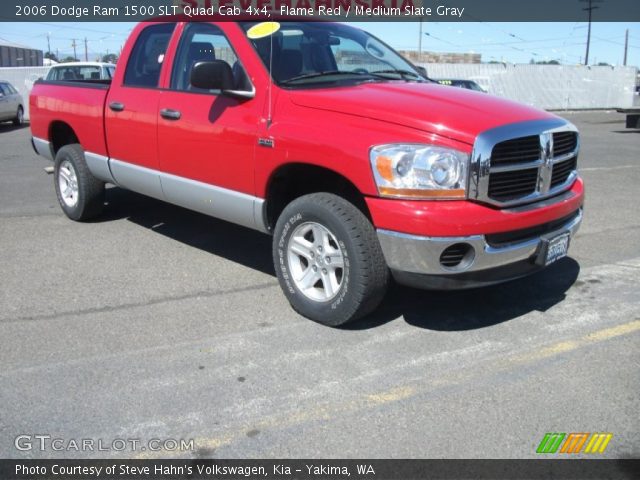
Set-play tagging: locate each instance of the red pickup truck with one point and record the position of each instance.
(324, 137)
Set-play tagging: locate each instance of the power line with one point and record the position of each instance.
(57, 25)
(615, 43)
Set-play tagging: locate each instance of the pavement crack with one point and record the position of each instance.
(156, 301)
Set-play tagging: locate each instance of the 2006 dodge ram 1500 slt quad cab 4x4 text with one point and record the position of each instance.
(323, 136)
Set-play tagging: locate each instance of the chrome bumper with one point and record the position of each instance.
(411, 254)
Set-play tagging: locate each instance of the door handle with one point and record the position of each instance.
(116, 106)
(169, 114)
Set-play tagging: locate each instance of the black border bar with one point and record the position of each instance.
(409, 10)
(569, 469)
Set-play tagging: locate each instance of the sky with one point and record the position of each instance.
(503, 42)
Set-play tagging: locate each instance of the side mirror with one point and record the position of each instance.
(214, 75)
(422, 71)
(217, 75)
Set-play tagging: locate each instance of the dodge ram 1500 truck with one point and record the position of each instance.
(324, 137)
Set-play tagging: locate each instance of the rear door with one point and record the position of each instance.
(131, 112)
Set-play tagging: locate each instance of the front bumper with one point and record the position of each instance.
(415, 260)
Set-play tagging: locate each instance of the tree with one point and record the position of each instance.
(68, 59)
(51, 56)
(110, 58)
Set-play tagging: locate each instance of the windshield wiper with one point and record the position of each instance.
(404, 74)
(328, 73)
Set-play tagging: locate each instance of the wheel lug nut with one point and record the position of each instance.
(313, 254)
(320, 249)
(327, 259)
(324, 270)
(315, 268)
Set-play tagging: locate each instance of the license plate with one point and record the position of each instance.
(557, 248)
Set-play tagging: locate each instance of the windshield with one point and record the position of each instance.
(313, 53)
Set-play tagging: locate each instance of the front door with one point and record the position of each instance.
(207, 141)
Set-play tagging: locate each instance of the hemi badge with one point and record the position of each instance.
(266, 142)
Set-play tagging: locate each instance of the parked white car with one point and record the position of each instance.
(11, 104)
(81, 71)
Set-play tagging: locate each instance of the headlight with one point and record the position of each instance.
(419, 171)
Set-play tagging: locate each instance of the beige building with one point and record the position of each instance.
(433, 57)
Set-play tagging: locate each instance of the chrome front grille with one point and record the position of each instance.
(524, 162)
(513, 184)
(562, 170)
(564, 142)
(518, 150)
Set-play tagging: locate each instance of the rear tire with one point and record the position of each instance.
(19, 120)
(328, 259)
(80, 194)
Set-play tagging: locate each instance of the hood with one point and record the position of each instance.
(447, 111)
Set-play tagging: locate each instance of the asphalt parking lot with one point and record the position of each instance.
(154, 322)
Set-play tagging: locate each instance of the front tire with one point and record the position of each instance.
(19, 119)
(80, 194)
(328, 259)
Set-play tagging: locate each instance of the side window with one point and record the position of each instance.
(145, 63)
(12, 89)
(202, 42)
(3, 89)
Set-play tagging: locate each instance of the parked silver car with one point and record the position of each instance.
(11, 104)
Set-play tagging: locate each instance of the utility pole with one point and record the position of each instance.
(589, 9)
(86, 50)
(49, 43)
(626, 46)
(420, 42)
(74, 45)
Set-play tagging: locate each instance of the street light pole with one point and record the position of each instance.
(420, 42)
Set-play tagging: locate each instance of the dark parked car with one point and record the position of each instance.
(468, 84)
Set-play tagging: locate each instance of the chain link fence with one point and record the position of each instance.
(552, 87)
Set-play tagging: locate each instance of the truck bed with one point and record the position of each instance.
(78, 103)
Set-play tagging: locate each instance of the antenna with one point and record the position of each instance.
(262, 30)
(270, 87)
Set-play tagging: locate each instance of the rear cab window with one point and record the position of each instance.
(145, 63)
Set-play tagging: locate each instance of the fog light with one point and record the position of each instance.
(458, 256)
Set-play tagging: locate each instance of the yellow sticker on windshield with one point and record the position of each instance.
(263, 29)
